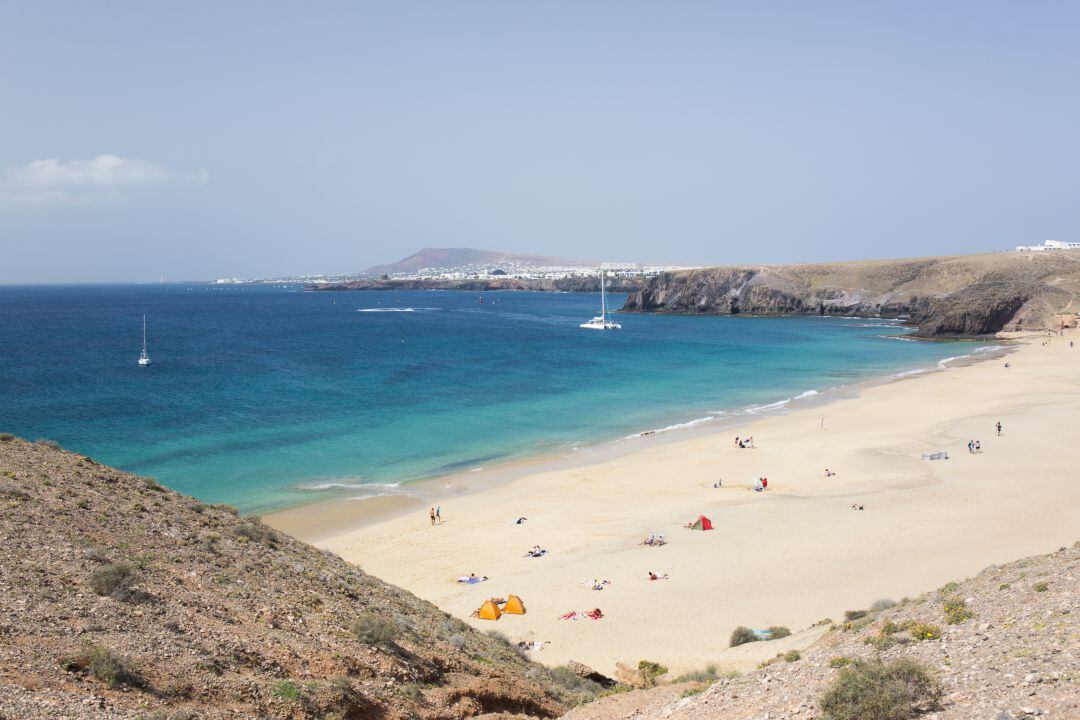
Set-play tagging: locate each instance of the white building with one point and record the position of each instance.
(1049, 245)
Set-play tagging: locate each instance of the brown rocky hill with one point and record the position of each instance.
(445, 258)
(959, 295)
(1001, 646)
(122, 599)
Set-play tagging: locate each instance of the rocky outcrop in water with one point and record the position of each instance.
(948, 296)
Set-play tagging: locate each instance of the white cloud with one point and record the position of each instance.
(106, 177)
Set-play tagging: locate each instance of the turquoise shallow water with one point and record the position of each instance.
(267, 397)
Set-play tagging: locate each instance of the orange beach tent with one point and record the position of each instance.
(489, 611)
(514, 606)
(703, 523)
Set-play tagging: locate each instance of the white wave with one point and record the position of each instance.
(677, 426)
(476, 469)
(942, 364)
(907, 373)
(988, 348)
(898, 337)
(808, 393)
(344, 484)
(756, 409)
(405, 309)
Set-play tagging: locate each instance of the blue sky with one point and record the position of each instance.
(204, 140)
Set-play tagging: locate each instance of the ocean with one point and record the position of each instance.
(266, 397)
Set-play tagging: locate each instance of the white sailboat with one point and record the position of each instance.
(600, 322)
(144, 359)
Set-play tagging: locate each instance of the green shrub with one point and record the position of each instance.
(1003, 586)
(852, 615)
(839, 662)
(51, 444)
(873, 690)
(1041, 587)
(880, 642)
(287, 690)
(113, 580)
(925, 631)
(883, 604)
(956, 610)
(6, 437)
(372, 629)
(792, 656)
(889, 627)
(582, 688)
(11, 490)
(949, 588)
(709, 675)
(778, 631)
(742, 635)
(111, 668)
(650, 672)
(257, 532)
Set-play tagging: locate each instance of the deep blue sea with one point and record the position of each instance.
(265, 397)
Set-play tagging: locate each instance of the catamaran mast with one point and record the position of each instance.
(603, 297)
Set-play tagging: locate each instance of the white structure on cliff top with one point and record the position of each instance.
(1049, 245)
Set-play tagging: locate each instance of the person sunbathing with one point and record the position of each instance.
(471, 579)
(520, 521)
(594, 614)
(654, 576)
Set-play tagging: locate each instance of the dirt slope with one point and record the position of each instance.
(121, 599)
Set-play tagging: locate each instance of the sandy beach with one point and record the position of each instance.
(791, 555)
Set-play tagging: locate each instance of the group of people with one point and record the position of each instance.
(974, 446)
(536, 552)
(435, 514)
(761, 484)
(655, 540)
(744, 442)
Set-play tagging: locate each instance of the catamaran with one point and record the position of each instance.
(144, 359)
(600, 322)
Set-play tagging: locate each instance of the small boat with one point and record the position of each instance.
(600, 322)
(144, 359)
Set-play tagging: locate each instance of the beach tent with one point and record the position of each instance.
(514, 606)
(702, 523)
(489, 611)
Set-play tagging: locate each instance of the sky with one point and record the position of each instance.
(246, 139)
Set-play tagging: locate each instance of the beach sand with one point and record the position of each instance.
(792, 555)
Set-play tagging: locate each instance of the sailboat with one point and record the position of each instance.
(144, 359)
(600, 322)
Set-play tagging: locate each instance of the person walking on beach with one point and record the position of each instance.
(431, 513)
(438, 513)
(999, 428)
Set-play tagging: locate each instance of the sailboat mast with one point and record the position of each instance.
(603, 297)
(144, 334)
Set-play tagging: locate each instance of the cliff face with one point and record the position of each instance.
(963, 295)
(122, 599)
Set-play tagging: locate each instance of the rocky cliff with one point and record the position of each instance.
(122, 599)
(960, 295)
